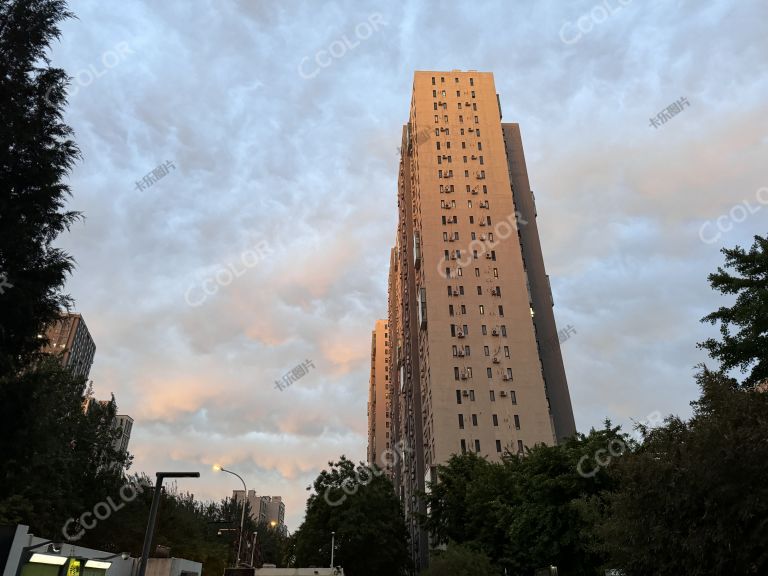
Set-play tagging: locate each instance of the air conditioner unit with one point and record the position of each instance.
(461, 353)
(455, 292)
(493, 292)
(464, 377)
(450, 239)
(503, 394)
(465, 392)
(488, 255)
(482, 236)
(474, 157)
(471, 129)
(460, 334)
(505, 377)
(495, 333)
(482, 222)
(495, 360)
(453, 256)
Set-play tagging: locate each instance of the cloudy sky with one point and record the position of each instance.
(281, 122)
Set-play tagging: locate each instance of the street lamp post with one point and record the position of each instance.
(153, 513)
(218, 468)
(333, 545)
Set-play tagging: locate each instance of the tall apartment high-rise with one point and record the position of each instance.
(475, 358)
(379, 400)
(69, 339)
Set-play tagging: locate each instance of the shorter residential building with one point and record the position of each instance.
(264, 509)
(69, 339)
(125, 424)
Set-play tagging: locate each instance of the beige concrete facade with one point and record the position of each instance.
(470, 319)
(379, 399)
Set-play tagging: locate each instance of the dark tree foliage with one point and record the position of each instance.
(693, 498)
(744, 326)
(361, 507)
(57, 459)
(532, 511)
(459, 560)
(36, 155)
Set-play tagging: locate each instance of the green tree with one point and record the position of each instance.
(459, 561)
(531, 511)
(36, 155)
(360, 506)
(743, 326)
(691, 499)
(58, 461)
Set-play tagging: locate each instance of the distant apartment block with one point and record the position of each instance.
(474, 362)
(69, 340)
(266, 509)
(125, 425)
(379, 400)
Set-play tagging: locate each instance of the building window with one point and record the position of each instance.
(513, 396)
(481, 158)
(479, 290)
(471, 392)
(482, 309)
(458, 396)
(461, 421)
(487, 350)
(506, 351)
(455, 350)
(477, 270)
(433, 81)
(450, 309)
(477, 446)
(471, 82)
(517, 422)
(504, 330)
(493, 396)
(484, 330)
(520, 448)
(501, 310)
(495, 270)
(456, 372)
(509, 373)
(495, 420)
(463, 446)
(489, 372)
(453, 329)
(474, 419)
(498, 445)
